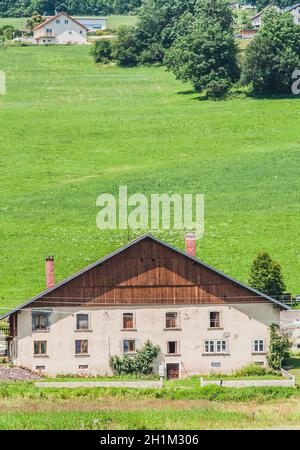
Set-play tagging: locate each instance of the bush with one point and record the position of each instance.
(279, 348)
(102, 51)
(218, 88)
(153, 55)
(139, 364)
(127, 47)
(254, 370)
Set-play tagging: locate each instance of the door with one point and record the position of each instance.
(172, 371)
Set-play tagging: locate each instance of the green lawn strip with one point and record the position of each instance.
(210, 417)
(193, 418)
(260, 394)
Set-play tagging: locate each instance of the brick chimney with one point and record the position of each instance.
(49, 272)
(190, 244)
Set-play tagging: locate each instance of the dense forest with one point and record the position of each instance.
(18, 8)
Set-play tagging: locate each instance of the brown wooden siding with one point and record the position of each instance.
(148, 273)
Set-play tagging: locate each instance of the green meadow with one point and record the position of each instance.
(71, 130)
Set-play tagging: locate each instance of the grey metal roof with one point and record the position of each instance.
(130, 244)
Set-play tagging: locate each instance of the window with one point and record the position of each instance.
(172, 320)
(82, 322)
(40, 347)
(66, 22)
(58, 21)
(82, 367)
(215, 346)
(80, 31)
(172, 348)
(81, 347)
(128, 321)
(40, 367)
(258, 346)
(129, 346)
(215, 319)
(41, 320)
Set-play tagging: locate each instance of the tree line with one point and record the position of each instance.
(25, 8)
(195, 40)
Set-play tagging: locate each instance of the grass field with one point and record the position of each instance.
(71, 130)
(23, 406)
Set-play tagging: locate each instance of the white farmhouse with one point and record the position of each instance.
(203, 320)
(257, 20)
(60, 29)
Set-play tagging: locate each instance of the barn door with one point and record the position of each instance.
(172, 371)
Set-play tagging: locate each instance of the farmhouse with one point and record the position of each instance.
(257, 20)
(60, 29)
(203, 320)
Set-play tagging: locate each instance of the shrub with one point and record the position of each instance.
(279, 348)
(127, 47)
(254, 370)
(139, 364)
(102, 51)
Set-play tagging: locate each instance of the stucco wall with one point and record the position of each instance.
(241, 324)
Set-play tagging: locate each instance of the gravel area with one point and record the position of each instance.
(8, 373)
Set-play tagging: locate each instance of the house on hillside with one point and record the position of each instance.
(203, 320)
(60, 29)
(256, 21)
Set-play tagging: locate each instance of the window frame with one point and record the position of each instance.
(259, 342)
(48, 320)
(82, 330)
(177, 320)
(81, 345)
(215, 347)
(214, 327)
(177, 352)
(133, 321)
(40, 344)
(129, 352)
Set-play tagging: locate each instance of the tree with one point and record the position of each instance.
(273, 55)
(278, 349)
(127, 47)
(266, 275)
(35, 20)
(206, 53)
(102, 51)
(139, 364)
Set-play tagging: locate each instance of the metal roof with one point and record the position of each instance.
(130, 244)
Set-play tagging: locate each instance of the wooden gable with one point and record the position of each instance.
(148, 272)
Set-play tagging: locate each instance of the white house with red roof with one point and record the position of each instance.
(60, 29)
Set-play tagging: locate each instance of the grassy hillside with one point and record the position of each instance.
(71, 130)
